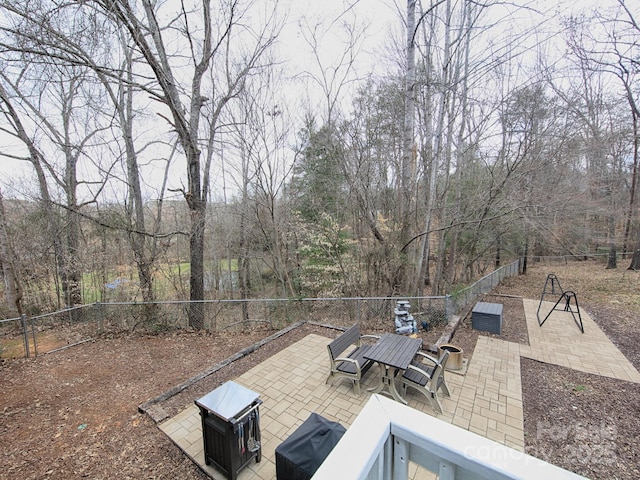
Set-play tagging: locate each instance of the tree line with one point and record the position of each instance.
(170, 139)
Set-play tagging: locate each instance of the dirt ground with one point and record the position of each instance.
(74, 413)
(584, 423)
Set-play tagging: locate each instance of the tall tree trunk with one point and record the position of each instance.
(71, 277)
(196, 255)
(70, 274)
(35, 158)
(440, 144)
(467, 21)
(408, 148)
(409, 115)
(13, 288)
(635, 112)
(423, 278)
(137, 230)
(243, 260)
(634, 182)
(635, 260)
(612, 261)
(197, 212)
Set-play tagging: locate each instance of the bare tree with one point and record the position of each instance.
(79, 52)
(212, 49)
(13, 286)
(607, 43)
(35, 157)
(263, 127)
(407, 164)
(70, 139)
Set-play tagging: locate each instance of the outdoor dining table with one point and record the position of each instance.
(393, 353)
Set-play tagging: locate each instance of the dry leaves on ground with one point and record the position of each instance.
(73, 414)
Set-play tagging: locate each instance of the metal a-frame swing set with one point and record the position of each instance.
(552, 282)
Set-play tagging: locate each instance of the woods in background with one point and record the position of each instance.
(169, 145)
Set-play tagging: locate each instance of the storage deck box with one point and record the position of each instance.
(487, 317)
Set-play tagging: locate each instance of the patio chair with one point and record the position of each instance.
(353, 365)
(427, 377)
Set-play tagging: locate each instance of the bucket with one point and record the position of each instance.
(455, 356)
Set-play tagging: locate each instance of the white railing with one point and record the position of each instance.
(386, 436)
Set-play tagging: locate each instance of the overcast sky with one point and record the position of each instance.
(376, 19)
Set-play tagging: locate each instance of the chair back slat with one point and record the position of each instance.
(350, 337)
(438, 372)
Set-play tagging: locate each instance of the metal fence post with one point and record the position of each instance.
(35, 341)
(25, 334)
(97, 307)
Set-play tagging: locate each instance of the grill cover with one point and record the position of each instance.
(300, 455)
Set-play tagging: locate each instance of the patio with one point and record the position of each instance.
(486, 400)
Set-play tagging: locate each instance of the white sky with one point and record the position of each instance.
(329, 15)
(379, 16)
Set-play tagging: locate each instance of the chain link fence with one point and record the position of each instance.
(567, 259)
(29, 336)
(463, 298)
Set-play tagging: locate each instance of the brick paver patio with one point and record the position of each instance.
(486, 400)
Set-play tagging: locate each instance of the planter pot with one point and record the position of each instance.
(455, 356)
